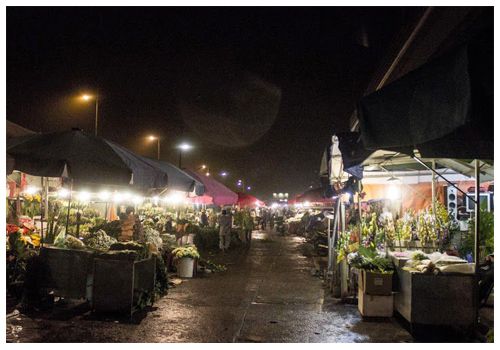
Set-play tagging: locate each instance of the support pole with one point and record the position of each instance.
(359, 211)
(442, 177)
(477, 216)
(42, 211)
(433, 187)
(330, 251)
(69, 206)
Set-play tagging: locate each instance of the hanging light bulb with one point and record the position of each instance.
(63, 193)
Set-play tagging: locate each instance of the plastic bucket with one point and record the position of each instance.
(185, 267)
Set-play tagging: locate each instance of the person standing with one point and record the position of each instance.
(212, 218)
(247, 224)
(224, 230)
(203, 219)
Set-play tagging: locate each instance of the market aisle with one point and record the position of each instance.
(267, 295)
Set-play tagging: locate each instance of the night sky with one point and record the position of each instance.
(257, 91)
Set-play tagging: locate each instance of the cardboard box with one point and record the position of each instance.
(375, 305)
(375, 283)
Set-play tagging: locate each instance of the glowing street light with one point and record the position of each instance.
(86, 98)
(223, 174)
(153, 138)
(183, 147)
(249, 188)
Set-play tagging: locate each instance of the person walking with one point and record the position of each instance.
(224, 230)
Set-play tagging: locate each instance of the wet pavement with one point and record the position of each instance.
(267, 294)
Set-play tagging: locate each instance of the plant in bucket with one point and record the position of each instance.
(184, 257)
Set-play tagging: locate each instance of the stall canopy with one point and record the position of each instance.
(444, 108)
(179, 180)
(145, 175)
(315, 195)
(74, 154)
(215, 192)
(247, 200)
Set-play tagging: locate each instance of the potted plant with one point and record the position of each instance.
(185, 256)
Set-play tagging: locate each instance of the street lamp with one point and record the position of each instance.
(223, 174)
(183, 147)
(86, 98)
(153, 138)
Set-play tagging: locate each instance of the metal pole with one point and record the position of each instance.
(96, 112)
(330, 253)
(445, 179)
(433, 187)
(180, 159)
(69, 205)
(158, 148)
(359, 211)
(477, 217)
(42, 211)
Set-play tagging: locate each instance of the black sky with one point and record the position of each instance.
(258, 91)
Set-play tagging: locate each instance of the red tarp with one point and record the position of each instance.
(215, 192)
(247, 200)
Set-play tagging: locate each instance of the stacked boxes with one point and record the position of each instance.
(375, 297)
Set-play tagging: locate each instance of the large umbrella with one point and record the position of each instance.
(82, 157)
(247, 200)
(215, 192)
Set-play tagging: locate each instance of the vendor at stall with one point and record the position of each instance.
(130, 225)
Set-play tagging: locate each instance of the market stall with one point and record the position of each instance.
(79, 242)
(433, 118)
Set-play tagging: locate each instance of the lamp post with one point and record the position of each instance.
(183, 147)
(86, 97)
(152, 138)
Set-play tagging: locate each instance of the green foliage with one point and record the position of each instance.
(368, 259)
(141, 250)
(161, 282)
(207, 239)
(98, 240)
(486, 235)
(112, 228)
(212, 266)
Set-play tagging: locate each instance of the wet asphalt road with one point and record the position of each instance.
(266, 295)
